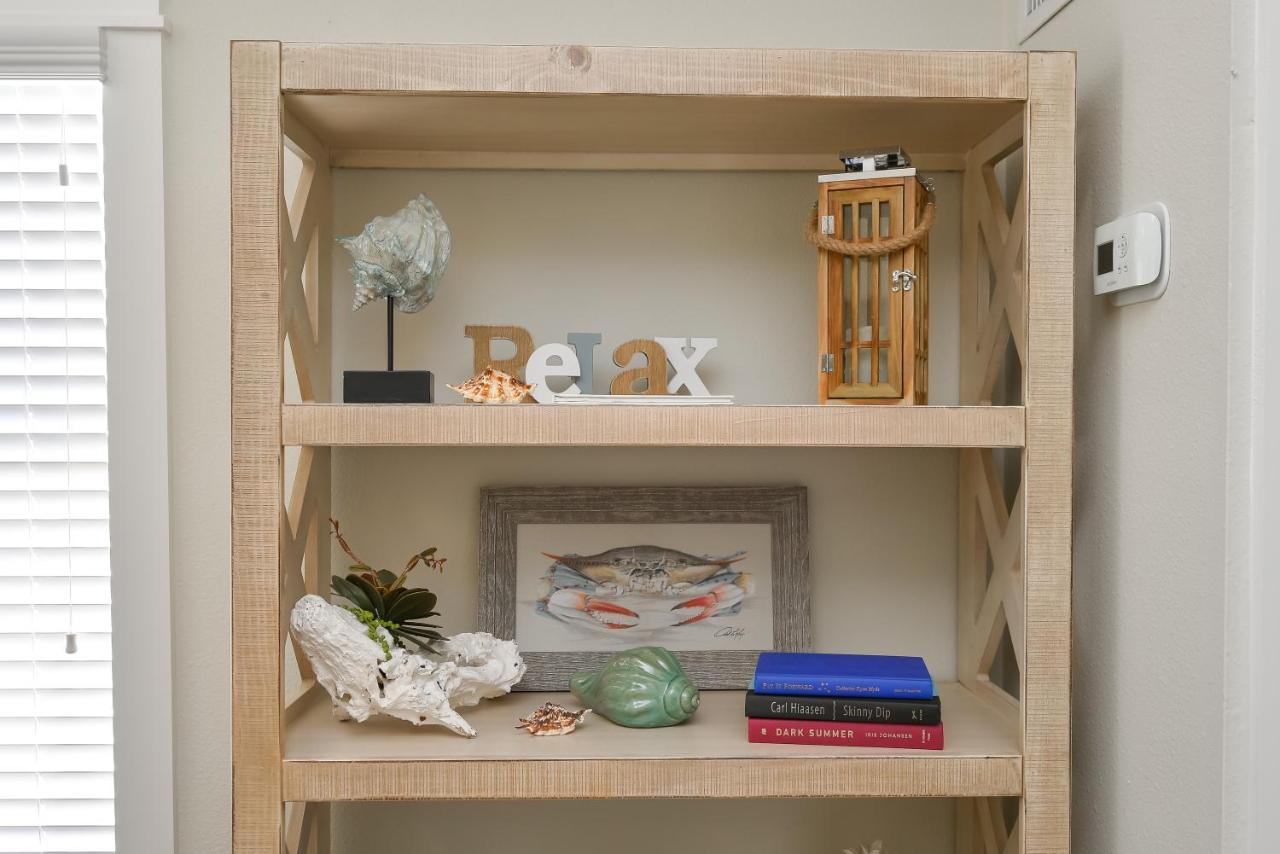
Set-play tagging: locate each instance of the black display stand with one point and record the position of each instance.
(389, 386)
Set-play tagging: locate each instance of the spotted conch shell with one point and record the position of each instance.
(552, 719)
(493, 386)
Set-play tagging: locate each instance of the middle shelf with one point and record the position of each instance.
(707, 757)
(653, 426)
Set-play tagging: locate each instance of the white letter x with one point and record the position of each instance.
(684, 365)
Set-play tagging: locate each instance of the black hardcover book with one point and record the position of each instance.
(847, 709)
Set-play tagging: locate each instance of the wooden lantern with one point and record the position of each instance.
(873, 306)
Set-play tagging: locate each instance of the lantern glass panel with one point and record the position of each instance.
(864, 299)
(886, 333)
(848, 286)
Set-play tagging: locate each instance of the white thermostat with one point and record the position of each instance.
(1131, 256)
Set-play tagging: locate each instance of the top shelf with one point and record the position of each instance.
(339, 424)
(540, 107)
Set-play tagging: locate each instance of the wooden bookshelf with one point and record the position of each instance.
(709, 757)
(541, 107)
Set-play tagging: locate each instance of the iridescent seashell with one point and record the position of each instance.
(641, 687)
(400, 257)
(493, 386)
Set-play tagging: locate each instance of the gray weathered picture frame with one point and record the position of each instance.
(504, 509)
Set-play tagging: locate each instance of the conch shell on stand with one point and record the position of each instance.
(493, 386)
(400, 257)
(363, 682)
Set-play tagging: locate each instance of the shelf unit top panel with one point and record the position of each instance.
(708, 756)
(654, 426)
(748, 108)
(583, 69)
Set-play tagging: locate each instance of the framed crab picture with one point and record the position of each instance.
(714, 574)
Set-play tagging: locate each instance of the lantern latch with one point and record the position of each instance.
(903, 279)
(827, 363)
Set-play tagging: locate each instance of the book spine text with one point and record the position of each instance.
(842, 686)
(853, 710)
(770, 731)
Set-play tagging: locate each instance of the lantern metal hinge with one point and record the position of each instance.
(827, 363)
(827, 224)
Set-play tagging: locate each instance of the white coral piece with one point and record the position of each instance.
(400, 257)
(362, 682)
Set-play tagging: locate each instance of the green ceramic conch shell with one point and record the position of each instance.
(641, 687)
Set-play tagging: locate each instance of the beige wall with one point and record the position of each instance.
(1151, 429)
(197, 227)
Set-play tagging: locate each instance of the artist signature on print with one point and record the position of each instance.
(731, 632)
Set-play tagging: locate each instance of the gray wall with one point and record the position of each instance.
(1151, 429)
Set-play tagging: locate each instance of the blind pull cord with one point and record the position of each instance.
(64, 181)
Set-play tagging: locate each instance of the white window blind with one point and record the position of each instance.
(56, 789)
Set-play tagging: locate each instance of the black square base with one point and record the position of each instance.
(386, 386)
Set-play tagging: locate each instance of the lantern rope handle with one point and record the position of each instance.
(874, 247)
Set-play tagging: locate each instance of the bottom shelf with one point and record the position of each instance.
(707, 757)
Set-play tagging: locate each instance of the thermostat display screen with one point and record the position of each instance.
(1105, 262)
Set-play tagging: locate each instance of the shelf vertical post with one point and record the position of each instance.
(256, 451)
(1047, 460)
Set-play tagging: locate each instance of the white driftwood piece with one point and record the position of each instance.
(352, 668)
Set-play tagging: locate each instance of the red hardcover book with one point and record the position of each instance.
(771, 731)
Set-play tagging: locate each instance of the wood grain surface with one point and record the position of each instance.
(1046, 692)
(256, 501)
(654, 426)
(565, 69)
(706, 757)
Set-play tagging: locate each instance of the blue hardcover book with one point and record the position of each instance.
(821, 675)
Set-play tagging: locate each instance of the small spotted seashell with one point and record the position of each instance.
(493, 386)
(552, 719)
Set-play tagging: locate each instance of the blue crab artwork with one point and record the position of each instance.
(642, 589)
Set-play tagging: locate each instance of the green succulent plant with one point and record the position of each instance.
(380, 599)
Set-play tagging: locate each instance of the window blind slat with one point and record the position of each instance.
(31, 274)
(51, 675)
(51, 590)
(56, 780)
(51, 646)
(33, 563)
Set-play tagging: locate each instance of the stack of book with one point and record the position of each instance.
(856, 700)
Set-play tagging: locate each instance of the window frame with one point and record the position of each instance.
(138, 439)
(56, 38)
